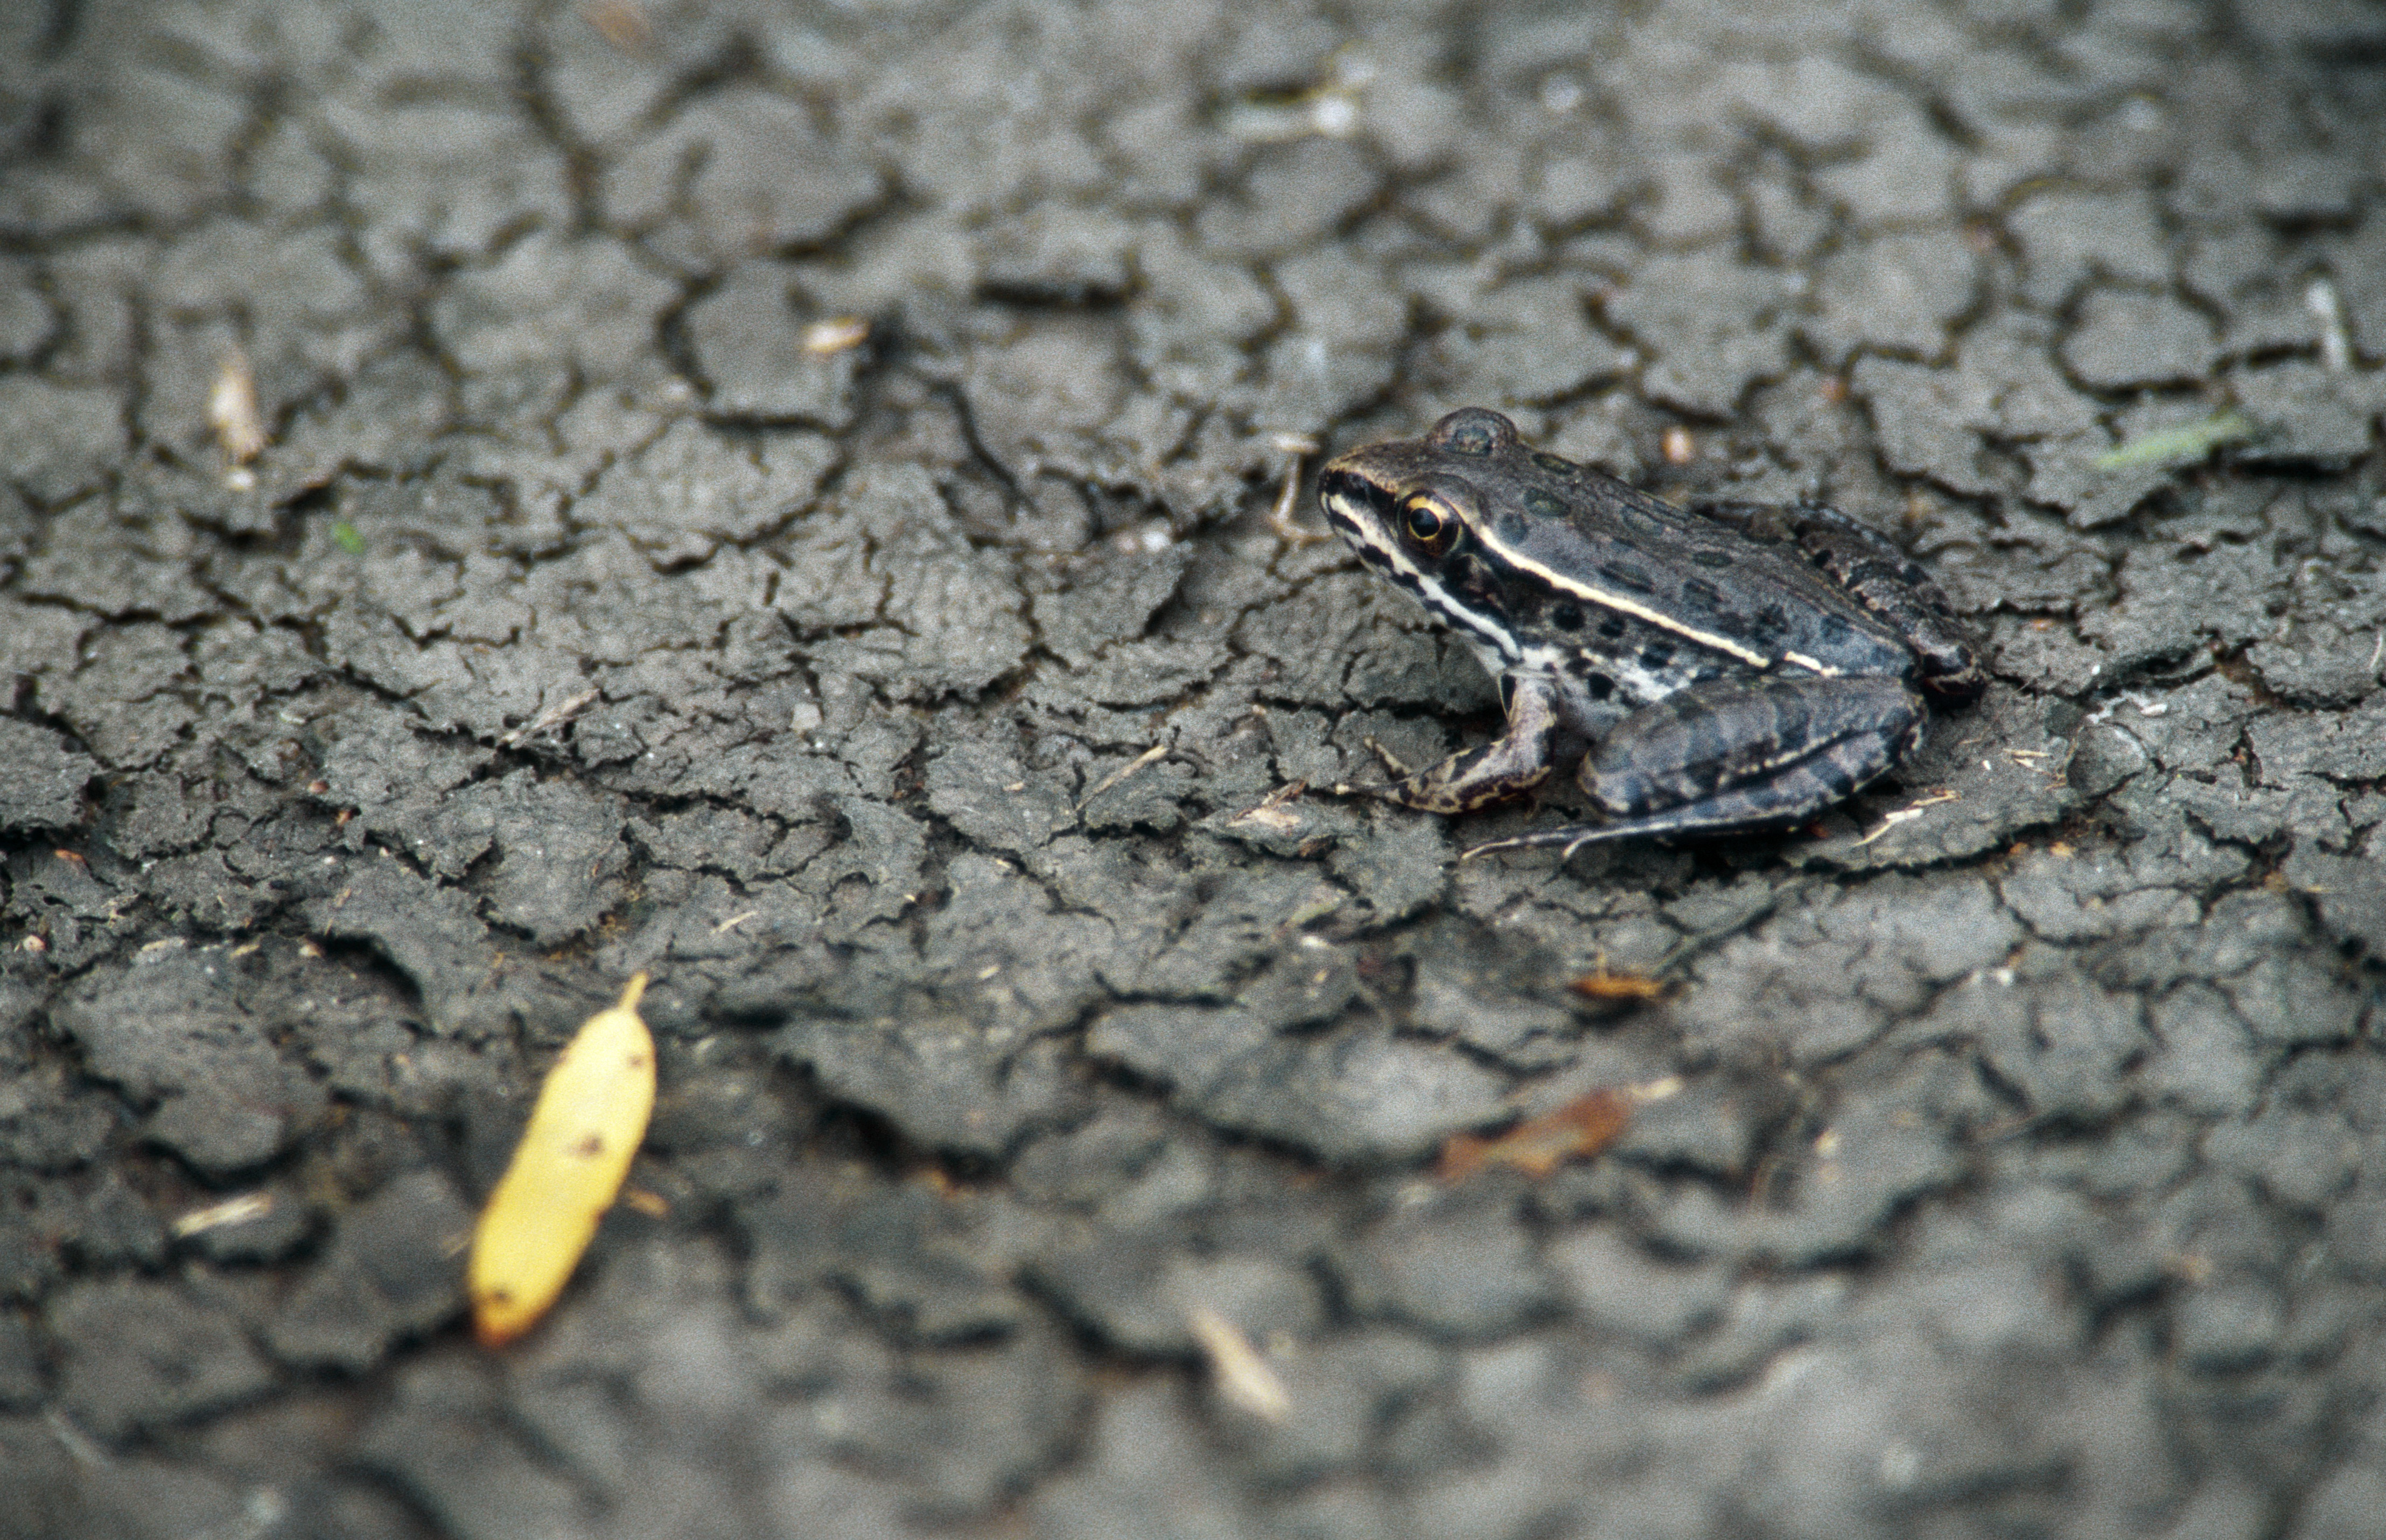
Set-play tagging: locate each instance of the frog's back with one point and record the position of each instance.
(1759, 603)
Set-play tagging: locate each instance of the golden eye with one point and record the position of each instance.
(1426, 522)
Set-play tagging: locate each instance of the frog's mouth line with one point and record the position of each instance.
(1342, 496)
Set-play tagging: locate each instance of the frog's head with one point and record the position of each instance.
(1413, 509)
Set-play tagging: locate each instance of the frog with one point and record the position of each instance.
(1712, 668)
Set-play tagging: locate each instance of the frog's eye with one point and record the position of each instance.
(1426, 519)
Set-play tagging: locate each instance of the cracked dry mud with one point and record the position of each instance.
(588, 611)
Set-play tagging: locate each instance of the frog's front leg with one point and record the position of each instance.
(1740, 754)
(1515, 762)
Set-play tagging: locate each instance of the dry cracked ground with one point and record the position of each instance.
(915, 707)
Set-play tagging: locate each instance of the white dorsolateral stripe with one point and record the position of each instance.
(1458, 614)
(1605, 600)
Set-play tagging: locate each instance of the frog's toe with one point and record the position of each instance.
(1572, 838)
(1393, 764)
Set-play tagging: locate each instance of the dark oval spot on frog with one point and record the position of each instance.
(1656, 654)
(1769, 622)
(1566, 617)
(1508, 527)
(1612, 627)
(1552, 464)
(1541, 505)
(1835, 627)
(1598, 687)
(1628, 576)
(1700, 591)
(1711, 558)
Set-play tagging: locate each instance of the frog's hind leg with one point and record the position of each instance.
(1511, 764)
(1734, 755)
(1881, 577)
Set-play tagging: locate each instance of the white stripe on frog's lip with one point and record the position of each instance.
(1616, 602)
(1426, 588)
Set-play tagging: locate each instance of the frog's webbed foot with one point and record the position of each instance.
(1393, 765)
(1460, 783)
(1734, 756)
(1511, 764)
(1682, 821)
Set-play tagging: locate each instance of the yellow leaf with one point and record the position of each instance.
(590, 1118)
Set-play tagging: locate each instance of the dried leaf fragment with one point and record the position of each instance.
(1268, 812)
(1244, 1377)
(2180, 445)
(1330, 108)
(1600, 984)
(622, 24)
(232, 410)
(590, 1118)
(837, 334)
(1149, 757)
(1580, 1129)
(232, 1211)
